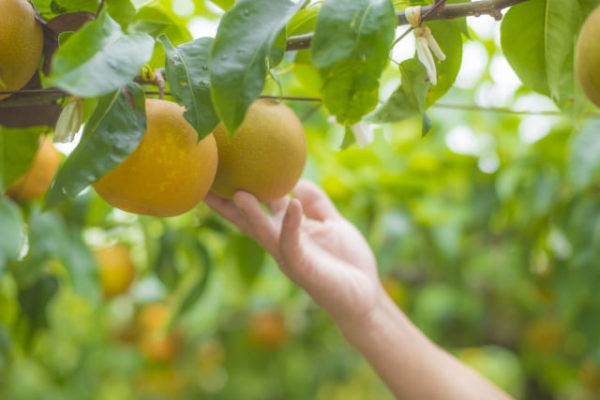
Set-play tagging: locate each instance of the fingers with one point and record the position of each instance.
(278, 206)
(261, 225)
(228, 210)
(315, 201)
(289, 240)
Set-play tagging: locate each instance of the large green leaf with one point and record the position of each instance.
(121, 11)
(409, 99)
(12, 232)
(538, 39)
(187, 73)
(99, 58)
(563, 19)
(523, 38)
(350, 47)
(111, 134)
(17, 150)
(238, 69)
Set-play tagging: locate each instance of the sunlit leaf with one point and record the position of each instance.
(111, 134)
(408, 99)
(350, 47)
(99, 58)
(187, 73)
(238, 68)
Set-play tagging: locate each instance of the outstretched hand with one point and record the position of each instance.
(325, 254)
(314, 246)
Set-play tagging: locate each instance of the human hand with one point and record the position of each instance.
(319, 250)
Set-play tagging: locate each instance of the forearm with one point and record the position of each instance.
(409, 363)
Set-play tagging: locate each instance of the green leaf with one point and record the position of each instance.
(585, 156)
(195, 283)
(112, 133)
(562, 27)
(12, 232)
(34, 300)
(121, 11)
(409, 99)
(522, 37)
(99, 58)
(544, 61)
(448, 36)
(248, 257)
(350, 47)
(69, 6)
(278, 50)
(17, 150)
(51, 239)
(304, 21)
(238, 68)
(562, 20)
(187, 73)
(164, 265)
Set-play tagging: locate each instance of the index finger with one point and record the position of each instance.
(315, 202)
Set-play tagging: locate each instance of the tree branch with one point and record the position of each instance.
(449, 11)
(432, 12)
(30, 97)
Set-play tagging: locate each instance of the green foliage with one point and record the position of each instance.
(99, 58)
(245, 37)
(111, 134)
(548, 68)
(485, 231)
(409, 99)
(187, 72)
(449, 38)
(350, 48)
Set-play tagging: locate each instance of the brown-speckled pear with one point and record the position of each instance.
(168, 173)
(587, 57)
(21, 42)
(266, 156)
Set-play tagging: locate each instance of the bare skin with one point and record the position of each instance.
(328, 257)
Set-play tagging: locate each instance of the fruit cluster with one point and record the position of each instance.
(170, 171)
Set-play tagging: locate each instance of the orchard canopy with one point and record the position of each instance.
(458, 136)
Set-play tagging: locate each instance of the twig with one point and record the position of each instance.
(430, 13)
(505, 110)
(32, 97)
(292, 98)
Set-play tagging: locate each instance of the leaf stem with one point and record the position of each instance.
(505, 110)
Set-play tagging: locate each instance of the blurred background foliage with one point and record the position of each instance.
(486, 230)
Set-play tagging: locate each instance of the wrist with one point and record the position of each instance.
(382, 318)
